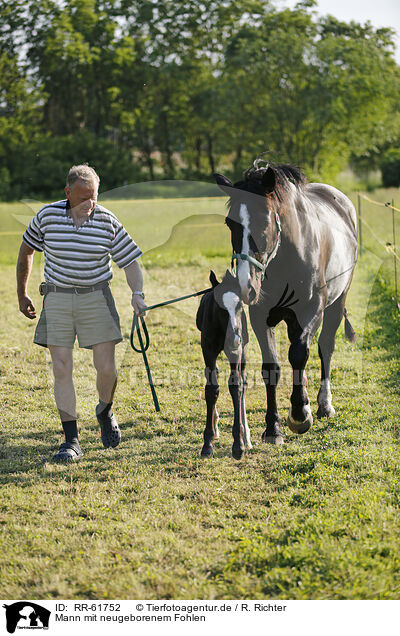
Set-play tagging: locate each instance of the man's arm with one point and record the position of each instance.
(134, 279)
(24, 268)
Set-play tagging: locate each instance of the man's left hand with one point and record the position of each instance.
(139, 305)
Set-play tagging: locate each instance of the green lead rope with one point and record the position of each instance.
(144, 345)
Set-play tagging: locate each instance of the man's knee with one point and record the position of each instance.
(104, 359)
(62, 366)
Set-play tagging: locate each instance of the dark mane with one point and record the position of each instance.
(284, 172)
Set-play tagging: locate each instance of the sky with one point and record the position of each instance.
(381, 13)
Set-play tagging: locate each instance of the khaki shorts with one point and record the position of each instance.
(92, 317)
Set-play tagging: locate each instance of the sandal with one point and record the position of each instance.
(110, 431)
(67, 453)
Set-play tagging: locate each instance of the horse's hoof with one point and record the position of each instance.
(300, 427)
(275, 440)
(325, 410)
(207, 450)
(273, 434)
(237, 453)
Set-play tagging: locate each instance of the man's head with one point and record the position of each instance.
(82, 189)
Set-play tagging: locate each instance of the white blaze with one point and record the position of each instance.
(243, 267)
(230, 302)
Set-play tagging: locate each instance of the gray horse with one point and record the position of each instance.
(295, 244)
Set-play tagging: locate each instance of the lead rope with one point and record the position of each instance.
(144, 345)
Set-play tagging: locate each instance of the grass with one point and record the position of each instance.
(315, 519)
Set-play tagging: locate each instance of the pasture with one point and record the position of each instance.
(317, 518)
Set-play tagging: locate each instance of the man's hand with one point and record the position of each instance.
(138, 304)
(26, 306)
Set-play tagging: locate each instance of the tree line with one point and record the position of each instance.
(160, 89)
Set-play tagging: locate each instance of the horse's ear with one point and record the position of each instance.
(213, 279)
(269, 180)
(222, 182)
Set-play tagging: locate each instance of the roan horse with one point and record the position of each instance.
(295, 244)
(223, 326)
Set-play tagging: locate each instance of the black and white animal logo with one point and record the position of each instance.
(26, 615)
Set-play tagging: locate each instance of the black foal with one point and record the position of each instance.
(223, 326)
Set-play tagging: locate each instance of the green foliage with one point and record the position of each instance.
(390, 168)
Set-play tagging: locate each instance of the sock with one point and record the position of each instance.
(71, 432)
(103, 407)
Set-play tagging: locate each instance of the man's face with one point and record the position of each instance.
(82, 197)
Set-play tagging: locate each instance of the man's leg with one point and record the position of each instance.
(64, 393)
(104, 362)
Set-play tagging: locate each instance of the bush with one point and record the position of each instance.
(390, 168)
(39, 168)
(5, 181)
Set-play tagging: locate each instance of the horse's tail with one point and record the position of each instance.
(349, 332)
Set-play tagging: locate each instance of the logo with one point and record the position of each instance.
(26, 615)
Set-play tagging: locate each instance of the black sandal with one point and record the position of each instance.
(67, 453)
(110, 431)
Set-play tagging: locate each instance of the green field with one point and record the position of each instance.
(315, 519)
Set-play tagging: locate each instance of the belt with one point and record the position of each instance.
(45, 288)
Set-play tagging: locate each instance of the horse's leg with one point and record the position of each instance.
(326, 343)
(211, 393)
(235, 389)
(300, 419)
(271, 373)
(246, 430)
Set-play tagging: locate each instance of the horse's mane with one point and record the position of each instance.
(284, 173)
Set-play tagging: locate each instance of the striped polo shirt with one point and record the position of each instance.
(79, 256)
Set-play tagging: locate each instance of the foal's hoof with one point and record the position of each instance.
(325, 410)
(207, 450)
(300, 427)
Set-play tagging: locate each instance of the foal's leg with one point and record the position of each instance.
(326, 343)
(271, 372)
(246, 429)
(235, 389)
(211, 393)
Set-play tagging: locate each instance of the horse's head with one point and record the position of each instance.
(255, 227)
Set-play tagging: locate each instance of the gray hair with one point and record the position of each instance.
(83, 173)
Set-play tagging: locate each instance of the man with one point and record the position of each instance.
(79, 238)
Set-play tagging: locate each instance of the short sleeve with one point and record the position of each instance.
(33, 235)
(124, 249)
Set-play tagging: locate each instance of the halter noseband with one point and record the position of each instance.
(271, 255)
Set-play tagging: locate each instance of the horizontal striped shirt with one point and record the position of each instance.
(79, 256)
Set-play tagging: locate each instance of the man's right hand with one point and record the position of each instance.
(27, 307)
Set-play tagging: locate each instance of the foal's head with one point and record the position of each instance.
(254, 221)
(227, 296)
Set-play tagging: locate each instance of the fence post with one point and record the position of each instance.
(359, 224)
(394, 249)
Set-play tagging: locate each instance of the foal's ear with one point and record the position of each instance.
(222, 182)
(269, 180)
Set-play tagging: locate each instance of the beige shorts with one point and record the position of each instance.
(92, 317)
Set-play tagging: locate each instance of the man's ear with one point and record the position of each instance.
(268, 180)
